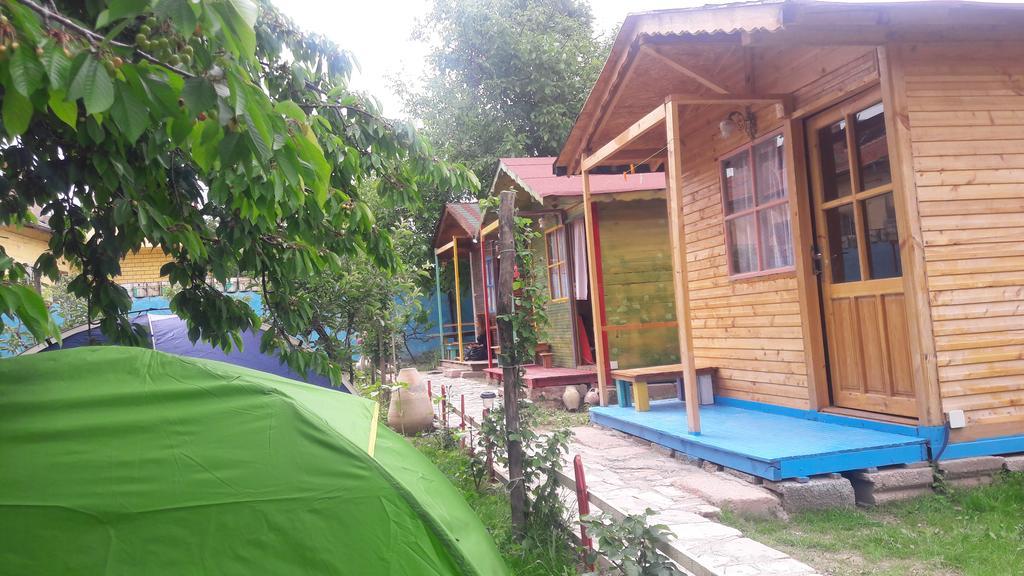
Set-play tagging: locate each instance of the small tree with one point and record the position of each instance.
(215, 130)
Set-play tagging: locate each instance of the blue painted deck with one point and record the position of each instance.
(769, 445)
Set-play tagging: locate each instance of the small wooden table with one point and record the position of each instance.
(639, 378)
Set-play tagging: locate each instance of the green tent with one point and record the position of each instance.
(126, 461)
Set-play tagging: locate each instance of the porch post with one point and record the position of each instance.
(487, 305)
(677, 236)
(596, 295)
(440, 312)
(458, 295)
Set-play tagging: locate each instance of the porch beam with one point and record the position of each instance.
(445, 248)
(487, 303)
(784, 99)
(488, 229)
(638, 129)
(677, 241)
(596, 294)
(688, 72)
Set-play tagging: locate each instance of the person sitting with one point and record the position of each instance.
(478, 349)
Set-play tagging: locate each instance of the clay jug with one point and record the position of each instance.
(411, 411)
(571, 398)
(593, 397)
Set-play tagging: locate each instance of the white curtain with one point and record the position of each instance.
(579, 258)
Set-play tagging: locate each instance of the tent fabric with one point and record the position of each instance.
(125, 461)
(169, 333)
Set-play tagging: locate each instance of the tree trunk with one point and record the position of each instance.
(510, 370)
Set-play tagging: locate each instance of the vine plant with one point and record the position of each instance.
(546, 513)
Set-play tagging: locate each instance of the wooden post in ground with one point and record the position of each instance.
(510, 365)
(596, 294)
(677, 239)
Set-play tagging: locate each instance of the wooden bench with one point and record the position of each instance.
(632, 383)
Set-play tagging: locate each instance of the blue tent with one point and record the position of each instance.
(169, 334)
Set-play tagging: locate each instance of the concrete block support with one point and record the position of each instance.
(969, 472)
(814, 494)
(891, 484)
(1014, 463)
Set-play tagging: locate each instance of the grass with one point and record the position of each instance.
(552, 418)
(538, 555)
(969, 532)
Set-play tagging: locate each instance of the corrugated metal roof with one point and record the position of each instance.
(536, 176)
(467, 214)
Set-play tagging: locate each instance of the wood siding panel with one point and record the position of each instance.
(967, 126)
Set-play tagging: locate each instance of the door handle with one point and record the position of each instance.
(816, 260)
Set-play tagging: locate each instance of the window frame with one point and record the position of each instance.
(756, 208)
(560, 267)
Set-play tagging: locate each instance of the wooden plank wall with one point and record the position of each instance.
(750, 329)
(966, 114)
(559, 331)
(637, 269)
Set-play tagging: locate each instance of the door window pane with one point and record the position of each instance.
(736, 177)
(842, 243)
(776, 248)
(882, 237)
(872, 148)
(742, 244)
(835, 161)
(771, 178)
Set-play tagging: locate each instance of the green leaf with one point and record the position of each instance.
(199, 95)
(93, 85)
(179, 12)
(57, 65)
(66, 111)
(247, 10)
(26, 71)
(130, 114)
(291, 110)
(17, 112)
(239, 36)
(118, 9)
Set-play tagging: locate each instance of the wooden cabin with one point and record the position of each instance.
(634, 270)
(461, 294)
(846, 225)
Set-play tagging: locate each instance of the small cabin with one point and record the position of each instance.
(845, 210)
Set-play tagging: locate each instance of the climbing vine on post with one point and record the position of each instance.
(215, 130)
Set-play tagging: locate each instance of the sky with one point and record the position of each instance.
(379, 34)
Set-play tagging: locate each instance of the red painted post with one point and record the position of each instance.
(489, 452)
(462, 421)
(430, 391)
(444, 406)
(583, 499)
(487, 305)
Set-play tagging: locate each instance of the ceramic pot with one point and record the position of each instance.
(411, 411)
(571, 398)
(593, 397)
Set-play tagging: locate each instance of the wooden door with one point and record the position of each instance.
(860, 273)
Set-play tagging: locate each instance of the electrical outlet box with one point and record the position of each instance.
(957, 419)
(614, 364)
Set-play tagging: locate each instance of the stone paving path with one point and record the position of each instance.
(627, 475)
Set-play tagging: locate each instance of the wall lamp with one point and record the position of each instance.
(736, 120)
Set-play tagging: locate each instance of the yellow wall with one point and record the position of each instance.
(143, 266)
(24, 244)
